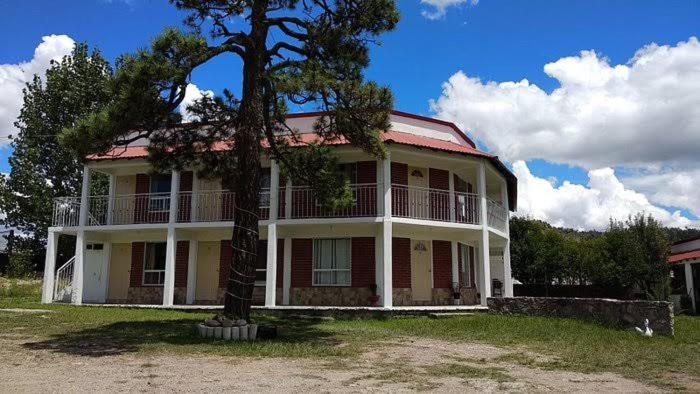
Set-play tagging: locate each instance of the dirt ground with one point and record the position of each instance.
(405, 365)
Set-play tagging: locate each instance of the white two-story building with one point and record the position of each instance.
(429, 226)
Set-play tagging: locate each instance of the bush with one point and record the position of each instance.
(20, 265)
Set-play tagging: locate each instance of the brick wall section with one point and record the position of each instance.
(137, 255)
(302, 251)
(181, 256)
(401, 262)
(363, 266)
(442, 265)
(224, 262)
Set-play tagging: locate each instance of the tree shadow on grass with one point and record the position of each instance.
(132, 336)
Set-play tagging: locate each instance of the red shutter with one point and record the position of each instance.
(442, 265)
(225, 257)
(363, 265)
(181, 256)
(137, 256)
(401, 262)
(302, 251)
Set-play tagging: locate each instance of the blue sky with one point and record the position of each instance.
(492, 40)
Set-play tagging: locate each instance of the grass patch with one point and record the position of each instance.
(567, 344)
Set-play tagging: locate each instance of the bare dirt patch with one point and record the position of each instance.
(404, 365)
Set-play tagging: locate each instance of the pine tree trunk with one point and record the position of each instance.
(239, 290)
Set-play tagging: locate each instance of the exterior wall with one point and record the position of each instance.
(140, 294)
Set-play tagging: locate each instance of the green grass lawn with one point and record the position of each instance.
(575, 345)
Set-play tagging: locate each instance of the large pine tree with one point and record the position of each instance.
(41, 168)
(309, 53)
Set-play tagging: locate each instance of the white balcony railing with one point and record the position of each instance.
(496, 215)
(434, 204)
(66, 211)
(218, 206)
(306, 206)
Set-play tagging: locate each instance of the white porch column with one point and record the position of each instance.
(271, 274)
(387, 235)
(455, 264)
(194, 207)
(507, 275)
(169, 283)
(689, 285)
(78, 264)
(171, 242)
(484, 241)
(85, 197)
(453, 212)
(192, 271)
(274, 191)
(287, 271)
(110, 198)
(288, 200)
(174, 194)
(49, 267)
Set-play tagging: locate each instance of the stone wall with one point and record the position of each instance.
(608, 312)
(330, 296)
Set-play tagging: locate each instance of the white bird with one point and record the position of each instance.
(647, 332)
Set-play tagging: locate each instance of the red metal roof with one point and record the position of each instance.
(679, 257)
(134, 152)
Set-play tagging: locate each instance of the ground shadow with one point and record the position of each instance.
(131, 336)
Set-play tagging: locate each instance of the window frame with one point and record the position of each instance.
(157, 201)
(314, 269)
(144, 270)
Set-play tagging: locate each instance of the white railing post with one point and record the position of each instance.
(174, 193)
(484, 241)
(110, 198)
(387, 235)
(192, 272)
(49, 267)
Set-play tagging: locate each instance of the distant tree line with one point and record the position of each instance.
(628, 260)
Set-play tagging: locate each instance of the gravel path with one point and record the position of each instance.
(405, 365)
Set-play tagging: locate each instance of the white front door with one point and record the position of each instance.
(94, 273)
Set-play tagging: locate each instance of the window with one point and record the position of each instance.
(159, 199)
(331, 259)
(154, 264)
(464, 265)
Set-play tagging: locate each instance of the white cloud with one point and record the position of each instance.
(645, 113)
(670, 188)
(192, 94)
(13, 78)
(440, 7)
(643, 116)
(586, 207)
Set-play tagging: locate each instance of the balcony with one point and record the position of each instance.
(218, 206)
